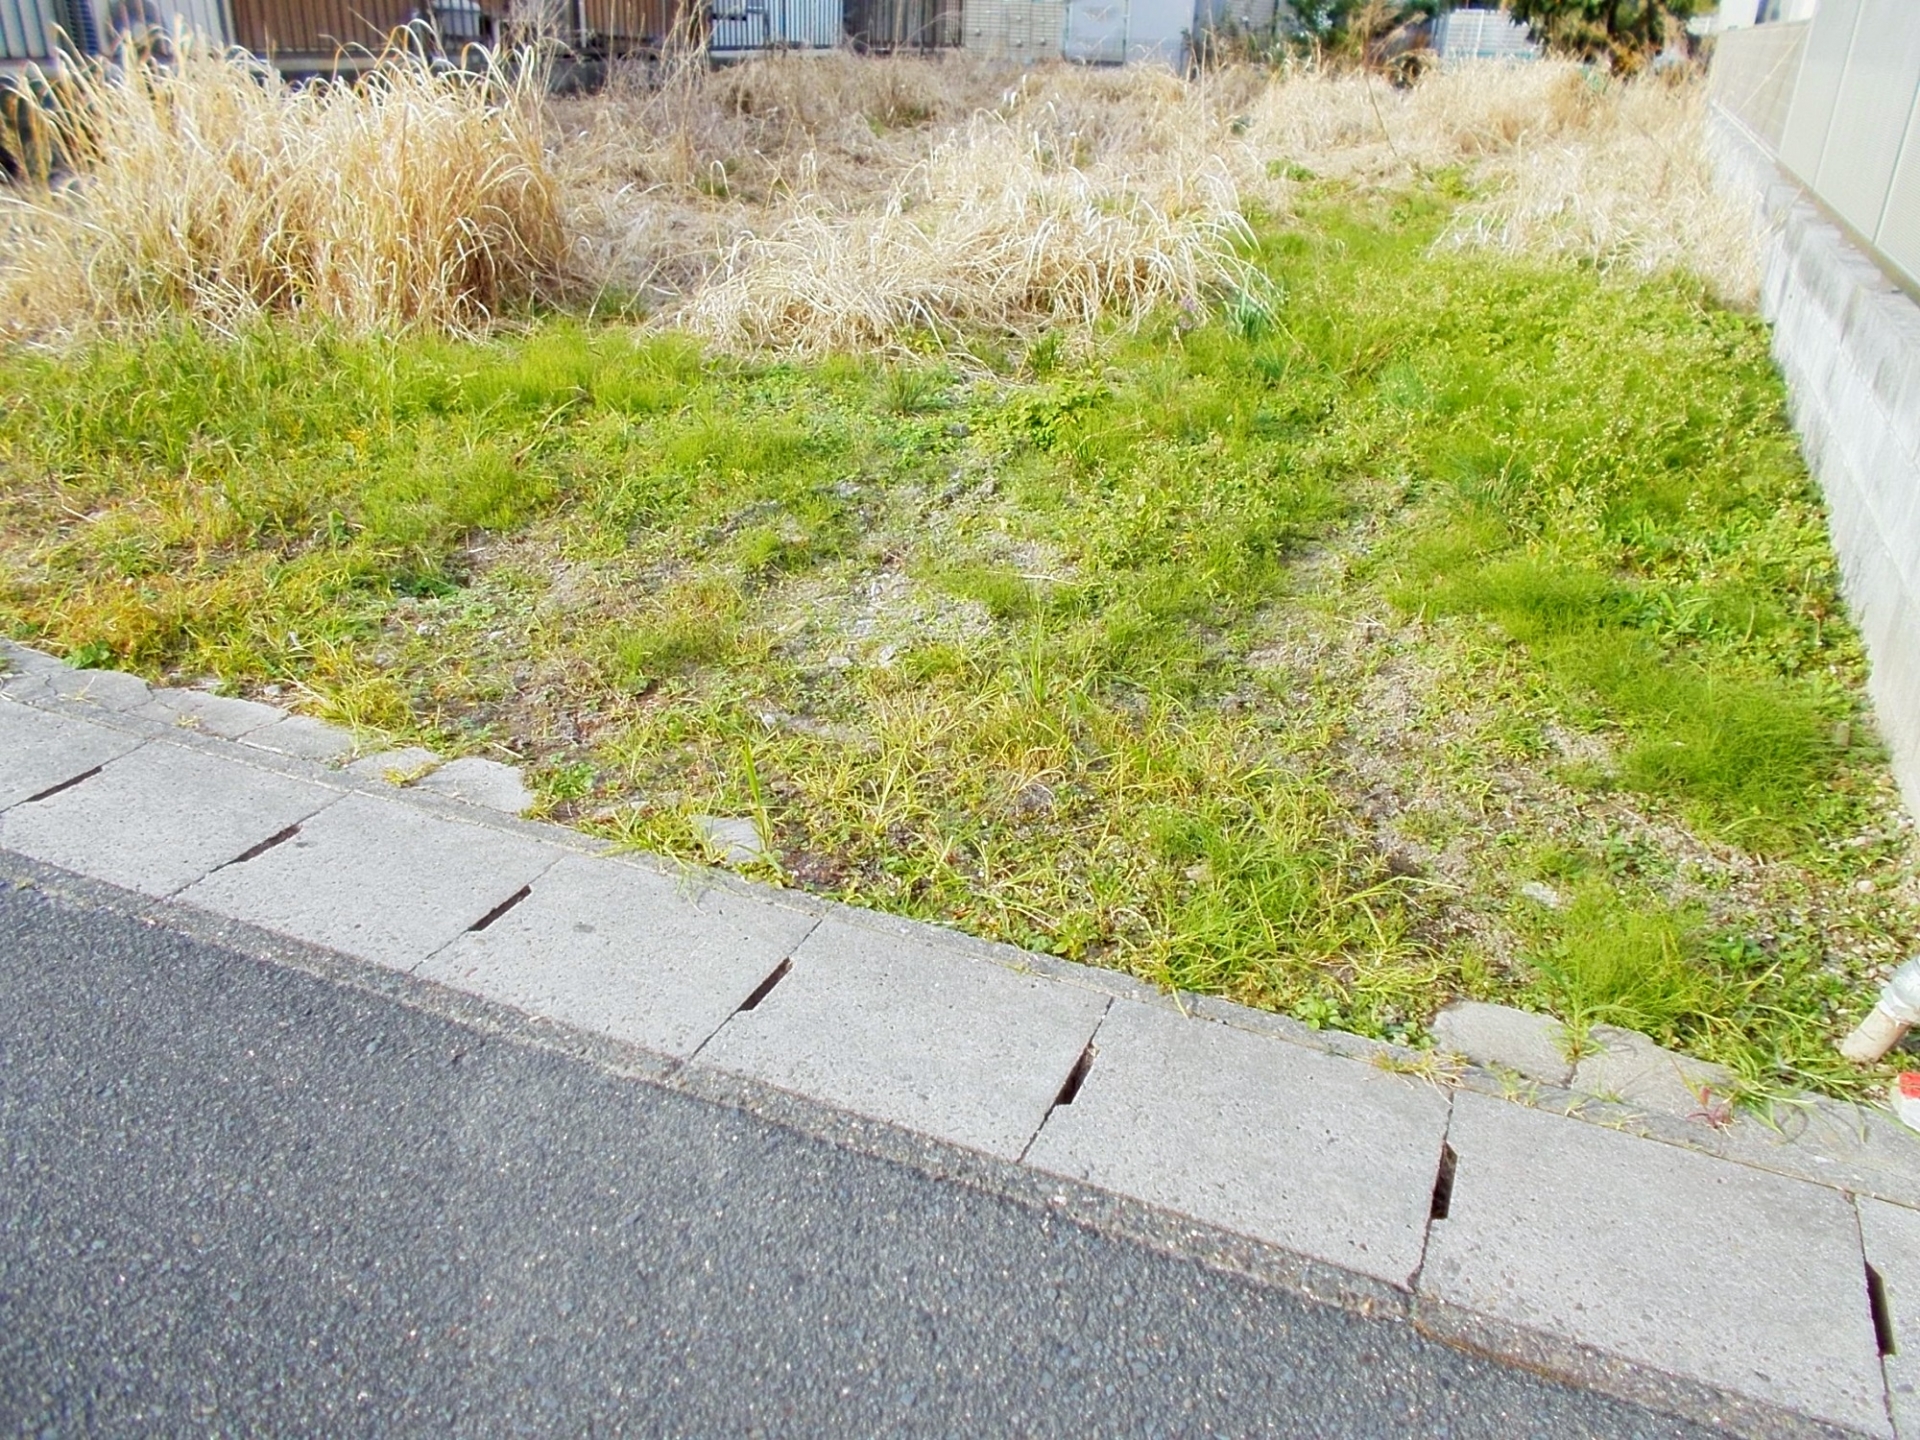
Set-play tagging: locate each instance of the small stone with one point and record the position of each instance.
(1842, 735)
(1033, 799)
(481, 782)
(1625, 1065)
(1534, 1045)
(396, 767)
(1542, 894)
(735, 839)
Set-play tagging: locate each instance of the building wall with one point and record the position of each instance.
(1737, 13)
(1853, 131)
(1848, 342)
(1846, 338)
(1014, 29)
(1752, 76)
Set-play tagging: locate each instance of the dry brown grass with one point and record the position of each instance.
(211, 190)
(817, 202)
(996, 229)
(813, 202)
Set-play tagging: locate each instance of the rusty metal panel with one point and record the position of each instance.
(903, 24)
(319, 28)
(645, 23)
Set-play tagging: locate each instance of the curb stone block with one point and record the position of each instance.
(27, 686)
(376, 878)
(646, 958)
(480, 782)
(25, 660)
(1532, 1044)
(159, 817)
(109, 689)
(915, 1034)
(39, 751)
(1626, 1065)
(1737, 1279)
(220, 715)
(1323, 1156)
(301, 736)
(1852, 1147)
(396, 767)
(735, 839)
(1891, 1234)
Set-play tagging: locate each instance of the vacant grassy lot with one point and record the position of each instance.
(1402, 614)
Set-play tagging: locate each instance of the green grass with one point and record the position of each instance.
(1268, 656)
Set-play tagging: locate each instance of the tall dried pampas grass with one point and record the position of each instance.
(208, 188)
(807, 203)
(996, 230)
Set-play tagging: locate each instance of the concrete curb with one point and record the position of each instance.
(1328, 1165)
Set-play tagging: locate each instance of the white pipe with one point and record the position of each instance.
(1897, 1009)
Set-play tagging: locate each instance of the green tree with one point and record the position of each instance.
(1336, 25)
(1625, 31)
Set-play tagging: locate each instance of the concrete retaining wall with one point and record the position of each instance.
(1848, 341)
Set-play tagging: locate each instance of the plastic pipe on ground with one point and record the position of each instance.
(1897, 1009)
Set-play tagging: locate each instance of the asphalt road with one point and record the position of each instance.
(238, 1199)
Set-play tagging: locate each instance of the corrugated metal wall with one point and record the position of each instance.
(317, 28)
(741, 26)
(29, 28)
(24, 32)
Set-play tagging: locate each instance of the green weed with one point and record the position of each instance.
(986, 653)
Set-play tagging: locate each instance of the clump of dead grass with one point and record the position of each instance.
(1631, 188)
(806, 202)
(814, 202)
(996, 229)
(210, 189)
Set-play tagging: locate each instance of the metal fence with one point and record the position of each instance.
(739, 26)
(1481, 35)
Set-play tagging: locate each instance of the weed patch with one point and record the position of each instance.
(1290, 651)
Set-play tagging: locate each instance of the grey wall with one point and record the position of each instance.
(1848, 341)
(1853, 129)
(1753, 73)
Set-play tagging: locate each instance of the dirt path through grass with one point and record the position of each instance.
(1414, 625)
